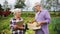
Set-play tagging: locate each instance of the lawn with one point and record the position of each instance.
(4, 23)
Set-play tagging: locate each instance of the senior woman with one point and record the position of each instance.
(43, 19)
(16, 19)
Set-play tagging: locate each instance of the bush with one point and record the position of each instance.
(57, 25)
(28, 14)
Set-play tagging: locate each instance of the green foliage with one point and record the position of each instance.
(20, 4)
(28, 14)
(1, 7)
(57, 24)
(4, 23)
(29, 32)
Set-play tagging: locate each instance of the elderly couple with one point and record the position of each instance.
(41, 16)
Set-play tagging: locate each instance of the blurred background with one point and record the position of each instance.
(53, 6)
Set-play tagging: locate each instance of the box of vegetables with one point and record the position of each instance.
(33, 25)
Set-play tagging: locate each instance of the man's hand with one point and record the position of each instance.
(33, 21)
(40, 23)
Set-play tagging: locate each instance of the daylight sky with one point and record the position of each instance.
(31, 2)
(9, 1)
(27, 2)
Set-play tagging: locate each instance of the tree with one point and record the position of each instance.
(0, 7)
(50, 4)
(6, 5)
(53, 4)
(20, 4)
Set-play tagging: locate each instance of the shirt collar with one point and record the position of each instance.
(15, 19)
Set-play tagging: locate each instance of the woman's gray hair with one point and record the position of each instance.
(16, 10)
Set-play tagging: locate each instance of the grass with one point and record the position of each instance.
(4, 23)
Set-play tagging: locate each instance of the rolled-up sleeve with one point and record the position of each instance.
(47, 17)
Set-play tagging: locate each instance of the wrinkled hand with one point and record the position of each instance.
(38, 24)
(33, 20)
(20, 27)
(15, 26)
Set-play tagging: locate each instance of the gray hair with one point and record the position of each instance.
(16, 10)
(37, 3)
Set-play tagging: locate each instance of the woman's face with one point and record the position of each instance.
(18, 13)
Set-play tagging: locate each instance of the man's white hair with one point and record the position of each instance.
(37, 3)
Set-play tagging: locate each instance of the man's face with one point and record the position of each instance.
(37, 8)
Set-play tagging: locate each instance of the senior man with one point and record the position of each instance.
(43, 19)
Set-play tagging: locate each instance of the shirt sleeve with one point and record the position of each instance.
(11, 25)
(47, 17)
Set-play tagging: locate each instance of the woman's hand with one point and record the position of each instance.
(20, 27)
(15, 26)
